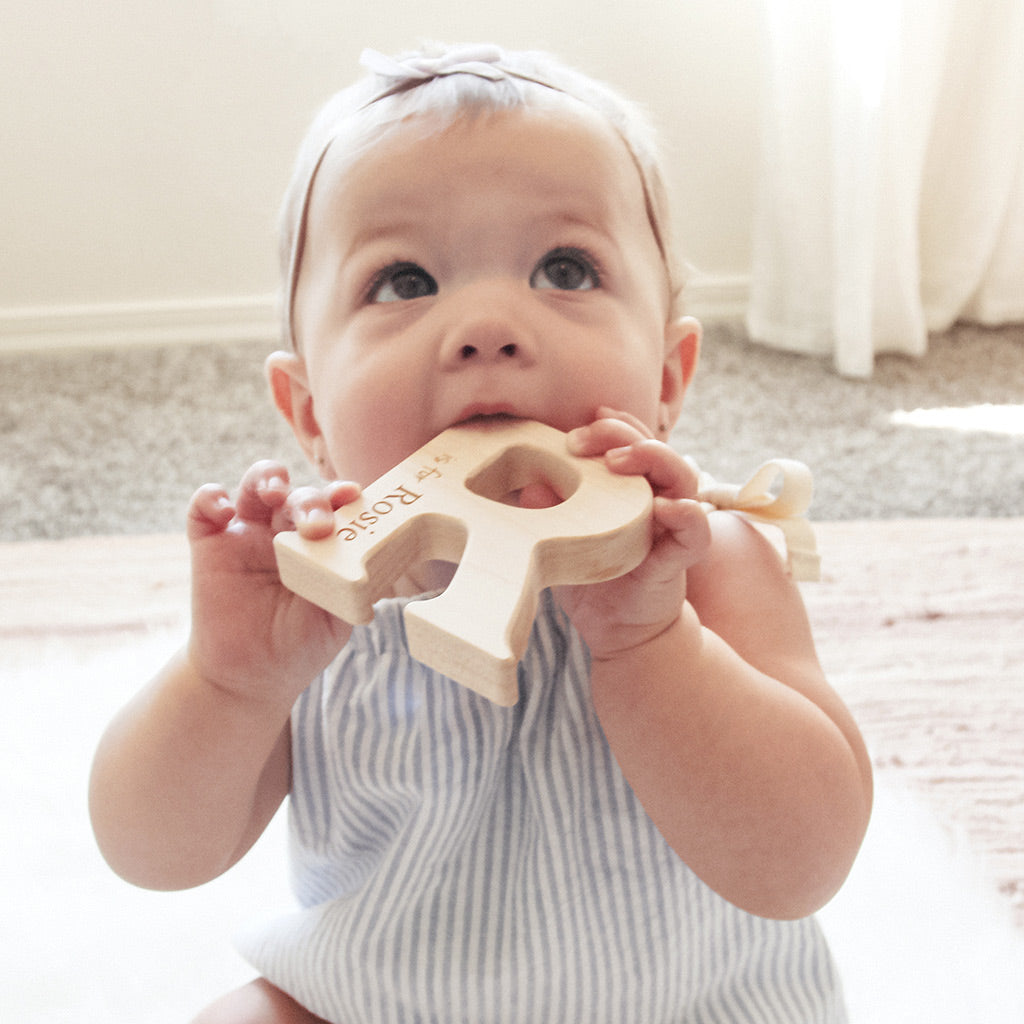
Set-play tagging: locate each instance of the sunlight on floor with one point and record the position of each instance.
(991, 419)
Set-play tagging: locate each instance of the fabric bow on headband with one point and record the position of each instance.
(469, 60)
(483, 61)
(778, 494)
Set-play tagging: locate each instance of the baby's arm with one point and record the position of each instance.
(189, 774)
(720, 716)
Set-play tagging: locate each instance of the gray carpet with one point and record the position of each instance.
(107, 442)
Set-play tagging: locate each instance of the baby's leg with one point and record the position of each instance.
(259, 1002)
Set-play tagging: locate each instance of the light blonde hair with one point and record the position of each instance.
(448, 82)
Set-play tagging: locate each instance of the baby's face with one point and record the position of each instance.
(501, 266)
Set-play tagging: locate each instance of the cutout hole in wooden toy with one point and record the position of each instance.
(503, 479)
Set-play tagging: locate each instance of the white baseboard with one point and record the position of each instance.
(709, 297)
(104, 325)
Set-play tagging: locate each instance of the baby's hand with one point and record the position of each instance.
(618, 615)
(251, 635)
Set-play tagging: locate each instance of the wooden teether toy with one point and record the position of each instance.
(446, 502)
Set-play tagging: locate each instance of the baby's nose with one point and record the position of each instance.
(488, 347)
(487, 339)
(489, 332)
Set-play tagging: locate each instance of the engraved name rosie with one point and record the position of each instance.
(366, 520)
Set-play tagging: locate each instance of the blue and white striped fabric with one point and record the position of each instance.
(460, 861)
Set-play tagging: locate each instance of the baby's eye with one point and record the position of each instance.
(570, 270)
(401, 282)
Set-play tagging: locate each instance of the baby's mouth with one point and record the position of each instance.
(483, 414)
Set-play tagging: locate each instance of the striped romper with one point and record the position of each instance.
(456, 861)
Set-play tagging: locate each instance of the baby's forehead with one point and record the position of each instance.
(564, 150)
(355, 190)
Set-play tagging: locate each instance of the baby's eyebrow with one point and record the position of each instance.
(388, 240)
(373, 229)
(593, 231)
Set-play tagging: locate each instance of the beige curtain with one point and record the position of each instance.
(891, 182)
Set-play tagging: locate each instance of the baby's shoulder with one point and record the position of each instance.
(741, 552)
(744, 588)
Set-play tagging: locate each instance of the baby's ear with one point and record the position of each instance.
(289, 387)
(682, 349)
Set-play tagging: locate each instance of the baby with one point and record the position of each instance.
(474, 233)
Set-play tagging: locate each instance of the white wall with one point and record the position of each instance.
(146, 145)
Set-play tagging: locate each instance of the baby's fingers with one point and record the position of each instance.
(263, 490)
(669, 474)
(310, 510)
(686, 522)
(209, 512)
(609, 431)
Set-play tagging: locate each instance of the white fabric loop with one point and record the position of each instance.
(778, 494)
